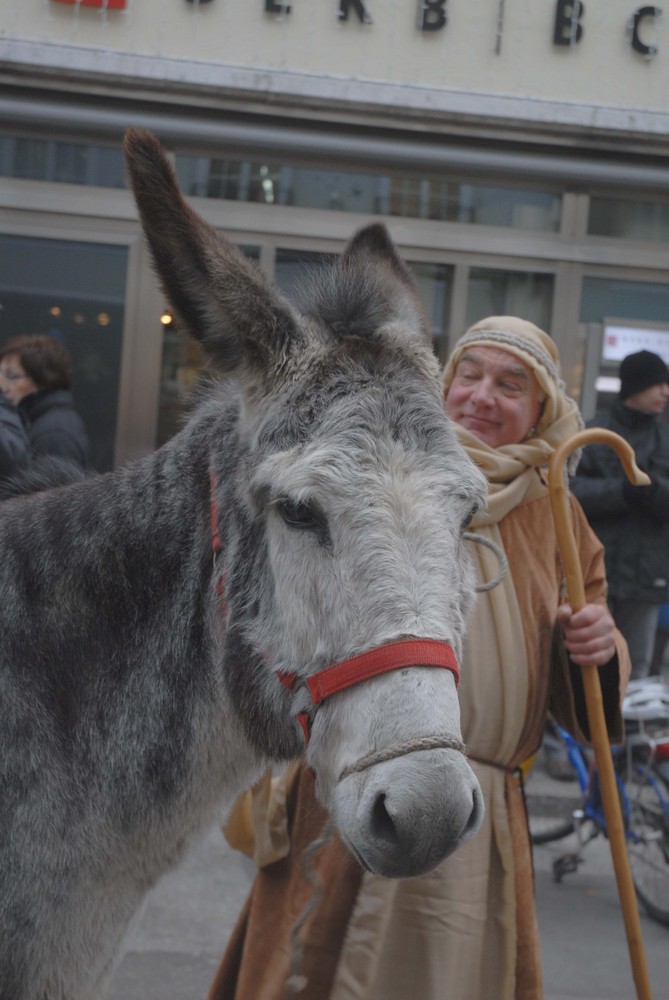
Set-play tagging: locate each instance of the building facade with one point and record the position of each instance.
(516, 150)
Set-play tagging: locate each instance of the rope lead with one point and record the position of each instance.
(471, 536)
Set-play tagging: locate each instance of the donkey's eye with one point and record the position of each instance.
(468, 517)
(302, 516)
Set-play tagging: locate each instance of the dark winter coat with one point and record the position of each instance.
(54, 427)
(632, 522)
(14, 446)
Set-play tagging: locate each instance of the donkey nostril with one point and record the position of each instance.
(475, 815)
(382, 825)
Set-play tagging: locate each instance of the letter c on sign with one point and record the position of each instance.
(633, 29)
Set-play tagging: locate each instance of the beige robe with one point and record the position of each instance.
(467, 931)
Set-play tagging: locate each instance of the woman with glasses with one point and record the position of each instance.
(14, 445)
(36, 375)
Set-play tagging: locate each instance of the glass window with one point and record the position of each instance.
(75, 291)
(528, 294)
(65, 162)
(642, 302)
(435, 283)
(629, 220)
(425, 197)
(184, 369)
(293, 266)
(519, 209)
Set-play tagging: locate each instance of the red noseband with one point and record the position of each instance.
(346, 673)
(380, 660)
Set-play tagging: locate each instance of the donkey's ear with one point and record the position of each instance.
(372, 247)
(375, 242)
(220, 296)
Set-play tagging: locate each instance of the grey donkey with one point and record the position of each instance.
(165, 625)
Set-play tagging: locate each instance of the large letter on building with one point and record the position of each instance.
(432, 14)
(568, 30)
(637, 17)
(276, 7)
(358, 7)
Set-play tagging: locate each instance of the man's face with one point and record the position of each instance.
(494, 395)
(650, 400)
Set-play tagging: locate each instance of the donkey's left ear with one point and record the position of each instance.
(220, 296)
(373, 246)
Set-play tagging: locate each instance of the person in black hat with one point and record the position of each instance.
(632, 522)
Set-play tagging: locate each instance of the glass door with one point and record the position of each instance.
(74, 291)
(183, 371)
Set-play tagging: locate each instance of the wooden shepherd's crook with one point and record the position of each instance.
(593, 691)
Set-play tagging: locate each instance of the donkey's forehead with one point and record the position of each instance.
(357, 463)
(358, 434)
(371, 387)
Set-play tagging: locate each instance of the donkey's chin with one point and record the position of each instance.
(402, 818)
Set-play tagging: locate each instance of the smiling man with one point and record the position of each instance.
(495, 396)
(633, 522)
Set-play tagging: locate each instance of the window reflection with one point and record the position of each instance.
(184, 371)
(629, 219)
(63, 162)
(636, 300)
(434, 283)
(407, 196)
(495, 292)
(424, 197)
(75, 291)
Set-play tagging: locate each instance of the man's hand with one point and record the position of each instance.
(589, 634)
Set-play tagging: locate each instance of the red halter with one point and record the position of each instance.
(380, 660)
(347, 673)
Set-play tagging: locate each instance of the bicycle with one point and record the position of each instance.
(642, 776)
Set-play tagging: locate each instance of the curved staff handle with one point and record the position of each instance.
(593, 691)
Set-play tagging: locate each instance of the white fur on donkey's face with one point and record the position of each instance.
(388, 561)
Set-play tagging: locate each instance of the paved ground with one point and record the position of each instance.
(174, 950)
(584, 947)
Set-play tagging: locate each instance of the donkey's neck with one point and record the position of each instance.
(120, 638)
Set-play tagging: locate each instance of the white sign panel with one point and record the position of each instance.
(619, 341)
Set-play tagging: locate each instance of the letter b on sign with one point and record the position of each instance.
(568, 30)
(432, 15)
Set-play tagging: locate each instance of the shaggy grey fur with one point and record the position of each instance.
(134, 700)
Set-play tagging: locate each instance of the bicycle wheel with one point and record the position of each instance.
(648, 840)
(546, 829)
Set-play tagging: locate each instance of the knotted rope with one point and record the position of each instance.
(409, 746)
(501, 559)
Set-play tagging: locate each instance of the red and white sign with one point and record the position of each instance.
(106, 4)
(621, 340)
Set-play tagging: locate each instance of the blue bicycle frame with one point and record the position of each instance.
(588, 779)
